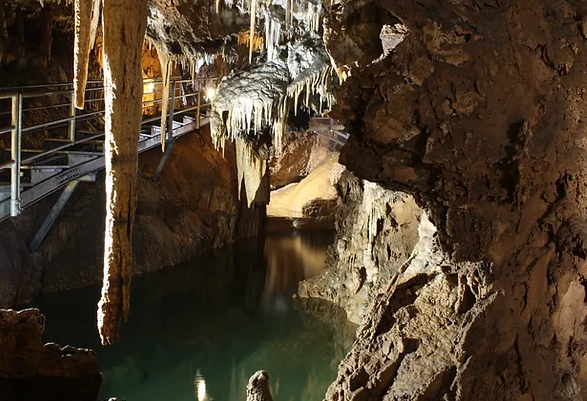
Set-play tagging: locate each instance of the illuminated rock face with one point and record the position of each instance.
(480, 115)
(376, 233)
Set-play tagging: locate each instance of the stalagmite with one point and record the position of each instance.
(258, 387)
(81, 49)
(124, 24)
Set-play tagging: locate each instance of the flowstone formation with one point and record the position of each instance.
(480, 115)
(377, 231)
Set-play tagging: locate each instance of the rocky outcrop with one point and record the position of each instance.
(377, 229)
(479, 114)
(301, 153)
(258, 387)
(192, 208)
(30, 371)
(314, 194)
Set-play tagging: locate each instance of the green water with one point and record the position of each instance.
(210, 324)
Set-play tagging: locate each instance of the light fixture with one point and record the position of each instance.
(149, 88)
(210, 93)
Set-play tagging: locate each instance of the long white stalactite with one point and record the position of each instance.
(251, 170)
(81, 48)
(252, 30)
(124, 25)
(96, 13)
(166, 63)
(272, 35)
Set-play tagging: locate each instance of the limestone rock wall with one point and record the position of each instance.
(480, 115)
(377, 229)
(301, 153)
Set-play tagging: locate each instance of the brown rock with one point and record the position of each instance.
(258, 387)
(31, 371)
(481, 310)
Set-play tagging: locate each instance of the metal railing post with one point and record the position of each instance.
(198, 109)
(16, 137)
(72, 115)
(171, 112)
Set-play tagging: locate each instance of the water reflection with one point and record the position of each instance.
(291, 257)
(200, 386)
(198, 331)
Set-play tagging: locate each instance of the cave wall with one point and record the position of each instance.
(301, 153)
(192, 208)
(376, 232)
(479, 115)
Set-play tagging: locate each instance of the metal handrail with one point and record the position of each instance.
(177, 79)
(16, 128)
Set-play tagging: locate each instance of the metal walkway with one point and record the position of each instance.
(329, 128)
(69, 146)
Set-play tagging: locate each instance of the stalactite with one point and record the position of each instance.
(166, 68)
(272, 35)
(312, 83)
(3, 32)
(96, 12)
(287, 15)
(194, 63)
(81, 49)
(46, 35)
(251, 170)
(19, 25)
(124, 23)
(248, 102)
(252, 30)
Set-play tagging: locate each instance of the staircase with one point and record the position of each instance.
(32, 174)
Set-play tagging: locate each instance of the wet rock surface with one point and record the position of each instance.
(478, 114)
(31, 371)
